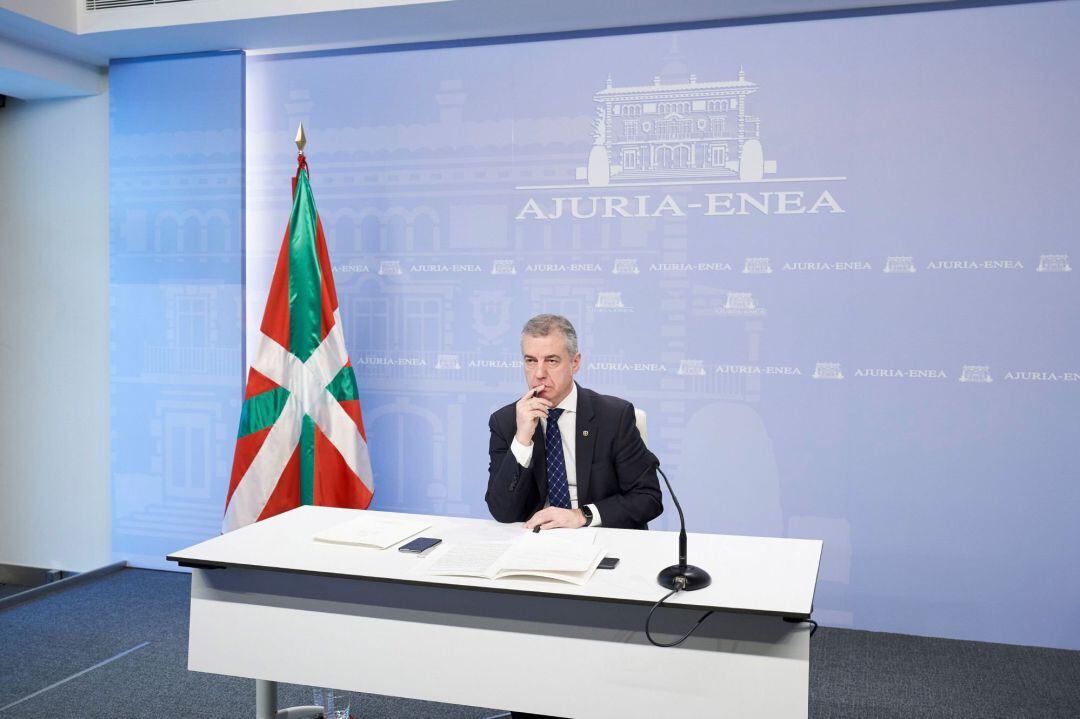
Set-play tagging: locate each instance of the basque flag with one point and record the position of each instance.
(301, 437)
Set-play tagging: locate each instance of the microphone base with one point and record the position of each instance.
(696, 577)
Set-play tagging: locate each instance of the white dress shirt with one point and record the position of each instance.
(568, 432)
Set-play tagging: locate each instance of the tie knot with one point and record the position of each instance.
(554, 414)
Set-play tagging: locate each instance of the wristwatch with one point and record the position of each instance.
(588, 514)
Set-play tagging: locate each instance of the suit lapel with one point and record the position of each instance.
(584, 440)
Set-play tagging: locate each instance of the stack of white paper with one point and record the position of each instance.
(567, 555)
(536, 552)
(372, 529)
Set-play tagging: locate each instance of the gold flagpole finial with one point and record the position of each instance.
(301, 138)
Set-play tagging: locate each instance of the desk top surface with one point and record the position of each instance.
(762, 575)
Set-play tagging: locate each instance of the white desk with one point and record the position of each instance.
(262, 594)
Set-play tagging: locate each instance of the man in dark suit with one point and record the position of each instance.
(588, 467)
(563, 455)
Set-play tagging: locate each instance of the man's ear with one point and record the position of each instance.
(576, 365)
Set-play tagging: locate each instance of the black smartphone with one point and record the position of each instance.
(419, 545)
(608, 563)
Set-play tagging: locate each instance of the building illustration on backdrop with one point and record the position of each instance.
(676, 128)
(434, 281)
(175, 287)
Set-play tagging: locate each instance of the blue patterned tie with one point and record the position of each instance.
(558, 489)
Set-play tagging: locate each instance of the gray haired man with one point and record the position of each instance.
(588, 467)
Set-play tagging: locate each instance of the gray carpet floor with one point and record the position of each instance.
(893, 676)
(50, 639)
(55, 639)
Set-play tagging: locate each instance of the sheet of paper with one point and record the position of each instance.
(584, 536)
(468, 558)
(372, 530)
(578, 578)
(485, 532)
(551, 553)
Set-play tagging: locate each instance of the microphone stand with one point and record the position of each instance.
(681, 576)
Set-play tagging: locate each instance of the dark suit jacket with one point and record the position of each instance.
(615, 471)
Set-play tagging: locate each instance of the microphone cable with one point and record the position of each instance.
(680, 581)
(684, 637)
(800, 620)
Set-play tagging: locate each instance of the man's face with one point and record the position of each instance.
(548, 364)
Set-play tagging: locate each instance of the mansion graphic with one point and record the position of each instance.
(678, 130)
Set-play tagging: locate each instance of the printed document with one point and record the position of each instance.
(568, 555)
(373, 529)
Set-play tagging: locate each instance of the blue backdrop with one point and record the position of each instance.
(175, 294)
(830, 259)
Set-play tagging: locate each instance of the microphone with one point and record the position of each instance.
(681, 576)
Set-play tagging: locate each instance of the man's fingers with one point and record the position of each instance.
(551, 518)
(531, 392)
(536, 519)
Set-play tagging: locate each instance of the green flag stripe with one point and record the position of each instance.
(343, 386)
(262, 410)
(307, 461)
(305, 284)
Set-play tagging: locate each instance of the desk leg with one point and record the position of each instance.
(265, 699)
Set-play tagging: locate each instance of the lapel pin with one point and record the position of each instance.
(584, 433)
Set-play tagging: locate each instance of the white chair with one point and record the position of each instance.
(639, 418)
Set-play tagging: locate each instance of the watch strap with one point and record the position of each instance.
(588, 514)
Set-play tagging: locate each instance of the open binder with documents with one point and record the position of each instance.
(566, 555)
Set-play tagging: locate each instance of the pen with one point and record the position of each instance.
(536, 529)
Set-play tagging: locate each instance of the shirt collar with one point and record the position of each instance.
(569, 402)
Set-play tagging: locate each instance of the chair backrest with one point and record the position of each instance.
(642, 425)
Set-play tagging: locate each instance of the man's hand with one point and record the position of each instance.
(530, 409)
(554, 517)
